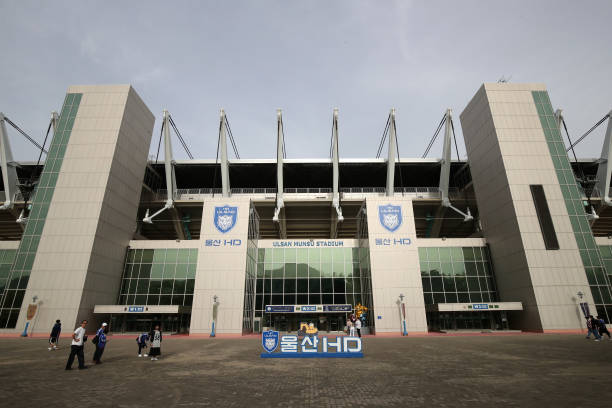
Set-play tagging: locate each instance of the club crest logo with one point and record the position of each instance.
(225, 218)
(390, 216)
(269, 340)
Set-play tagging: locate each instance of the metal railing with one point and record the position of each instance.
(193, 193)
(197, 193)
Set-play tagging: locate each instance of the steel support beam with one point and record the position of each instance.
(390, 190)
(225, 182)
(279, 212)
(169, 170)
(445, 166)
(336, 171)
(9, 170)
(445, 163)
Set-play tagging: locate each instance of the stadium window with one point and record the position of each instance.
(544, 218)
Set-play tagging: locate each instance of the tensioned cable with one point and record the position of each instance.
(44, 142)
(582, 176)
(569, 139)
(283, 133)
(17, 128)
(180, 137)
(602, 120)
(231, 137)
(35, 170)
(384, 137)
(41, 151)
(434, 137)
(183, 143)
(331, 140)
(455, 138)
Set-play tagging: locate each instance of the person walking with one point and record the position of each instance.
(601, 327)
(142, 343)
(76, 349)
(100, 342)
(358, 326)
(592, 328)
(55, 334)
(156, 339)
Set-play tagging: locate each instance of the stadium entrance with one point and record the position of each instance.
(137, 319)
(320, 284)
(471, 316)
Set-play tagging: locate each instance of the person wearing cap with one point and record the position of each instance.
(100, 343)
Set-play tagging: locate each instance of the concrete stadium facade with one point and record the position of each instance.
(260, 254)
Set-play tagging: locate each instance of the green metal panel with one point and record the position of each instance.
(12, 296)
(572, 195)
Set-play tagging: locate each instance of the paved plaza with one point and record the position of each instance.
(459, 371)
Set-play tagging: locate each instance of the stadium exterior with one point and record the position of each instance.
(505, 240)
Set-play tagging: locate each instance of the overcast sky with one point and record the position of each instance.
(306, 57)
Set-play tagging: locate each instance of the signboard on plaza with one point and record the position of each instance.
(276, 345)
(307, 308)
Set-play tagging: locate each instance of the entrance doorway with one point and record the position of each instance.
(482, 320)
(141, 322)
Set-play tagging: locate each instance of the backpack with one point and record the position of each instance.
(95, 340)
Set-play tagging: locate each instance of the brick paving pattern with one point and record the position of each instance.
(508, 371)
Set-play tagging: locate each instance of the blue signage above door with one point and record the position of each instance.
(280, 309)
(337, 308)
(307, 308)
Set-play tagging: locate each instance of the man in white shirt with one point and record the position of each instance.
(78, 340)
(358, 326)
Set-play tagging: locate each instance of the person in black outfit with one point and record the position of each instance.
(54, 336)
(601, 327)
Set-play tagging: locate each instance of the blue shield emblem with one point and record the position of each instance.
(269, 340)
(225, 218)
(390, 216)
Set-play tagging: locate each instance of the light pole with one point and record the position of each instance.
(214, 315)
(403, 308)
